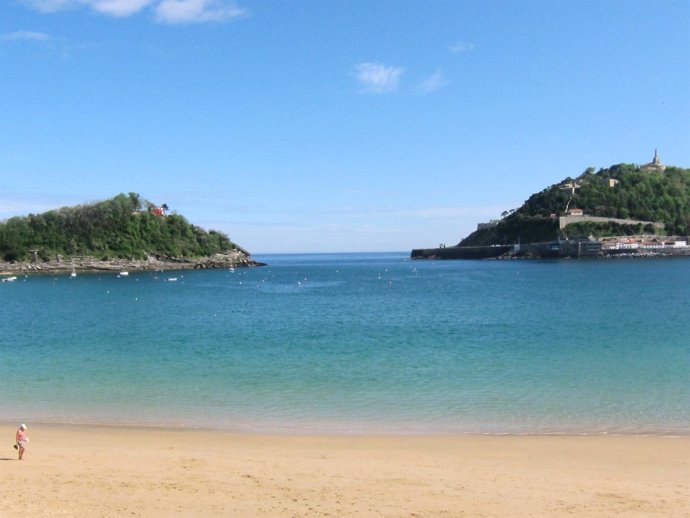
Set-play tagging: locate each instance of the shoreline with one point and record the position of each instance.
(87, 264)
(106, 471)
(321, 431)
(541, 251)
(383, 435)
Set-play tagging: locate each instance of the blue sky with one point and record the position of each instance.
(333, 125)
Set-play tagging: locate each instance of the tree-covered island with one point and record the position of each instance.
(622, 209)
(125, 232)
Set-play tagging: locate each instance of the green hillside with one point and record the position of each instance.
(124, 227)
(622, 191)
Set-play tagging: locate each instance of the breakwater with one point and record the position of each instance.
(571, 248)
(462, 252)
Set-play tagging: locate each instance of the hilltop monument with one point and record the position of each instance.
(654, 165)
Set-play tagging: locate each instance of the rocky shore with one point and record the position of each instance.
(230, 259)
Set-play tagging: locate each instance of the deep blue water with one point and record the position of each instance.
(357, 343)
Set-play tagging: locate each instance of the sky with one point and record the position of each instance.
(333, 125)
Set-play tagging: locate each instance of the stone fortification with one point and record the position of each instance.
(563, 221)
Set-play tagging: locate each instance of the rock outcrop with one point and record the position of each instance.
(237, 258)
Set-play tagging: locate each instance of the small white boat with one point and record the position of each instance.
(172, 279)
(123, 274)
(9, 279)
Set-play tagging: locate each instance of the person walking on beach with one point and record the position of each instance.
(21, 439)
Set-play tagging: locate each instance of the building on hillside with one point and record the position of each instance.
(654, 165)
(613, 182)
(642, 243)
(490, 224)
(569, 186)
(576, 212)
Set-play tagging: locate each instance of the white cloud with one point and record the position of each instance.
(378, 78)
(21, 204)
(196, 11)
(395, 214)
(50, 6)
(166, 11)
(118, 8)
(24, 36)
(455, 212)
(461, 47)
(433, 83)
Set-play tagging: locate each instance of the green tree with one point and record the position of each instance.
(115, 228)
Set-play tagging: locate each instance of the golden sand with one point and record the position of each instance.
(91, 471)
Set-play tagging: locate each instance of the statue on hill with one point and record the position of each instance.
(654, 165)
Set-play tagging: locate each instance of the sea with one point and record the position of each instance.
(356, 344)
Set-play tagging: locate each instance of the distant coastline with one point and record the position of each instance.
(628, 246)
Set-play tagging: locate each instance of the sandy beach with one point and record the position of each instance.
(113, 471)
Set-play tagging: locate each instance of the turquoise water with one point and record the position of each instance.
(357, 343)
